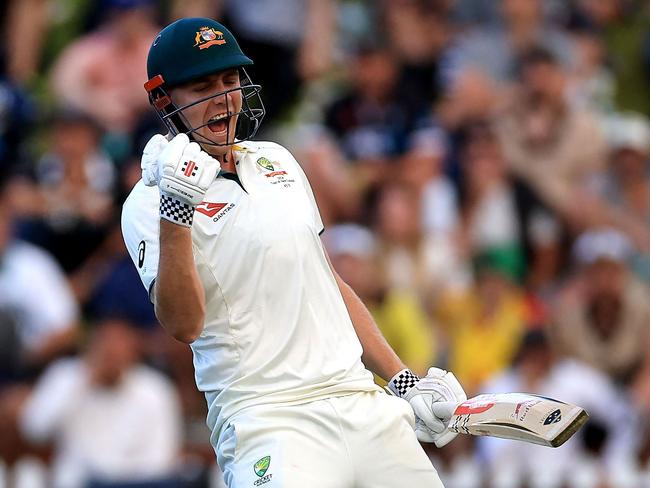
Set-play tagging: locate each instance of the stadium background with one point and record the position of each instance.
(482, 172)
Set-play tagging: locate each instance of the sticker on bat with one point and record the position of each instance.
(553, 417)
(480, 404)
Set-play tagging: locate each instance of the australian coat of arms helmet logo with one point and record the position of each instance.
(207, 36)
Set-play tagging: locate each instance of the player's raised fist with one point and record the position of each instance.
(185, 170)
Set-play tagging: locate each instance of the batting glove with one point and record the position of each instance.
(185, 173)
(433, 400)
(149, 161)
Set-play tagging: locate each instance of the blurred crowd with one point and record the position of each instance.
(483, 172)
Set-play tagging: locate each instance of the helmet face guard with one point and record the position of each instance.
(249, 117)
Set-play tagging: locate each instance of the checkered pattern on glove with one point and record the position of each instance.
(175, 211)
(402, 382)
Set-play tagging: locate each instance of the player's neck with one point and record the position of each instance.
(228, 162)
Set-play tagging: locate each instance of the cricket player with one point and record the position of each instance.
(224, 232)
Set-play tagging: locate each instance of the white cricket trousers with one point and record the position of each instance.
(362, 440)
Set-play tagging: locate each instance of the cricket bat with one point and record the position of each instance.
(519, 416)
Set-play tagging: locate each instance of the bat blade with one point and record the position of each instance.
(519, 416)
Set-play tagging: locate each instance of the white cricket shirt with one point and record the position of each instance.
(276, 327)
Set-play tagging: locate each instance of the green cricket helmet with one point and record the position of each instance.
(187, 50)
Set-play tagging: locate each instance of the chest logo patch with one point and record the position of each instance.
(265, 163)
(262, 466)
(210, 209)
(274, 168)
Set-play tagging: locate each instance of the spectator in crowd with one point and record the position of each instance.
(494, 51)
(70, 207)
(624, 27)
(17, 110)
(471, 98)
(408, 260)
(368, 119)
(470, 13)
(490, 217)
(552, 147)
(417, 31)
(398, 313)
(111, 419)
(485, 323)
(501, 212)
(421, 170)
(16, 120)
(102, 73)
(591, 83)
(23, 23)
(113, 293)
(40, 315)
(627, 184)
(38, 322)
(610, 434)
(558, 151)
(603, 315)
(636, 469)
(291, 41)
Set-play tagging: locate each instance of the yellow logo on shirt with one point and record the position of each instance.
(265, 163)
(274, 167)
(262, 466)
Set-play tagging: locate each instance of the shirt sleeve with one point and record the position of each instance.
(317, 220)
(141, 231)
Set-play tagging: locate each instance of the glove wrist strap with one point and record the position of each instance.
(402, 382)
(176, 211)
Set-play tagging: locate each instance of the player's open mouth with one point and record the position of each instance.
(219, 123)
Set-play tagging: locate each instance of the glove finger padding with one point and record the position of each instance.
(434, 399)
(171, 156)
(422, 433)
(422, 404)
(149, 162)
(444, 411)
(445, 438)
(447, 383)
